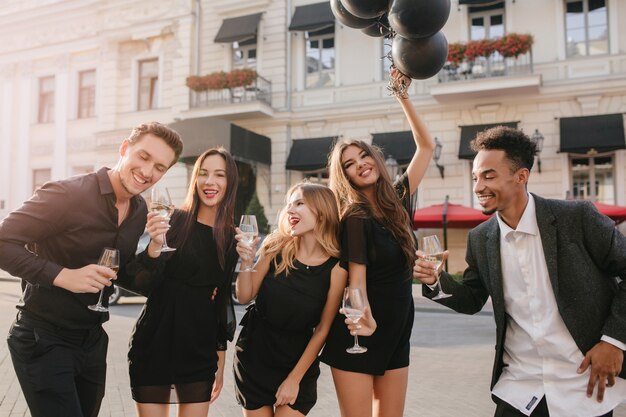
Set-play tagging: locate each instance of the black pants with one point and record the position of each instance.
(504, 409)
(62, 373)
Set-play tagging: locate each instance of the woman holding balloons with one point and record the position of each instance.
(378, 249)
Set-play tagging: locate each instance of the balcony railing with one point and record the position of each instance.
(259, 90)
(486, 67)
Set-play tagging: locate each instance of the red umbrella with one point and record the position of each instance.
(617, 213)
(458, 217)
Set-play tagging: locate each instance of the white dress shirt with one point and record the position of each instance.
(541, 355)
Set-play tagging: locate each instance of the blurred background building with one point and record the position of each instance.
(77, 75)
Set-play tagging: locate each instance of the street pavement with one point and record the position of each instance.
(451, 358)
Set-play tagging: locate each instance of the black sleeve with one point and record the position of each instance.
(226, 320)
(355, 241)
(40, 217)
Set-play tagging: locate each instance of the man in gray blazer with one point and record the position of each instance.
(551, 268)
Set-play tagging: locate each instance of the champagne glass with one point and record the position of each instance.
(110, 258)
(434, 253)
(161, 204)
(353, 307)
(250, 231)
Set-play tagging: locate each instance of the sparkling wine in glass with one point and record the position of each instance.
(434, 253)
(161, 204)
(353, 307)
(250, 231)
(110, 258)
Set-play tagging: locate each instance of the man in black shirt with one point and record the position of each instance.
(53, 242)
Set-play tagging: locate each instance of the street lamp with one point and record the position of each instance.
(538, 138)
(392, 167)
(437, 155)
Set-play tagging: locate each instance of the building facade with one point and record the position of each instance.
(77, 75)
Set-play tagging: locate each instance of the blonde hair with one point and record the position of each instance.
(353, 202)
(321, 201)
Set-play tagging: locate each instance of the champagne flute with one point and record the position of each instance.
(161, 204)
(434, 253)
(250, 231)
(110, 258)
(353, 307)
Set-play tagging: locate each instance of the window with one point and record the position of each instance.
(244, 54)
(385, 58)
(486, 22)
(320, 58)
(148, 97)
(46, 100)
(86, 94)
(40, 177)
(586, 26)
(592, 179)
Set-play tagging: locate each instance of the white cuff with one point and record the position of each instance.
(614, 342)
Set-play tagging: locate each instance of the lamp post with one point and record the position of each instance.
(437, 155)
(538, 138)
(392, 167)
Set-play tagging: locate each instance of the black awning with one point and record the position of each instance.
(468, 134)
(247, 145)
(601, 133)
(399, 145)
(479, 2)
(202, 133)
(238, 29)
(309, 154)
(312, 17)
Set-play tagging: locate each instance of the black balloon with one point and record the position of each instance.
(366, 9)
(347, 18)
(418, 18)
(379, 28)
(420, 58)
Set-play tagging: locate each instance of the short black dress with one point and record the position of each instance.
(388, 281)
(276, 330)
(173, 348)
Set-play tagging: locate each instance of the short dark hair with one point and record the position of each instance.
(169, 136)
(517, 146)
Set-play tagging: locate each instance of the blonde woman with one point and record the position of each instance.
(298, 285)
(378, 249)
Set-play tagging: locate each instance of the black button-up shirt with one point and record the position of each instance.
(66, 224)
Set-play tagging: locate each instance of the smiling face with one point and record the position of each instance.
(497, 187)
(301, 218)
(143, 163)
(360, 167)
(212, 182)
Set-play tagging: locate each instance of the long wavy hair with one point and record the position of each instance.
(353, 202)
(321, 201)
(224, 227)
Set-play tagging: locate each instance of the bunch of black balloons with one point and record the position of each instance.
(419, 50)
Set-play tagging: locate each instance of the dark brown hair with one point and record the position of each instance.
(224, 227)
(517, 146)
(352, 201)
(169, 136)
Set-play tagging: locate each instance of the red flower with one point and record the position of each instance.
(514, 45)
(475, 49)
(456, 52)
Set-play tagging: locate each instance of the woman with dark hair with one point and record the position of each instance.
(378, 249)
(297, 284)
(177, 349)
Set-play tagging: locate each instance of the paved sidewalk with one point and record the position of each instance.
(448, 377)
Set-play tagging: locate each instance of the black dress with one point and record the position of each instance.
(276, 330)
(388, 282)
(172, 357)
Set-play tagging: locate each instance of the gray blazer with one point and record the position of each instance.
(584, 253)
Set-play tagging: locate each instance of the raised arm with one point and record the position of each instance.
(423, 140)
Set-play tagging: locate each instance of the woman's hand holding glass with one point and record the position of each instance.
(156, 226)
(246, 250)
